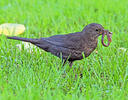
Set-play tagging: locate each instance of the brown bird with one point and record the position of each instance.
(71, 47)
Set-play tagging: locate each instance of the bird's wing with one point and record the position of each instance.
(67, 45)
(71, 41)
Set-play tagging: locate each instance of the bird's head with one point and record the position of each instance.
(93, 31)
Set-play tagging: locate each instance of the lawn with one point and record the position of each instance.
(34, 74)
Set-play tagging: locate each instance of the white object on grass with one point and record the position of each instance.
(28, 47)
(123, 49)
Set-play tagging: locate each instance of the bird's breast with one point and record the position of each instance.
(90, 48)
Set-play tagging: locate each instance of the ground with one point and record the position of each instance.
(35, 74)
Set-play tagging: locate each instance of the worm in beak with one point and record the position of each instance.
(109, 37)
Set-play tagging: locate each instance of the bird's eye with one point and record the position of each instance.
(96, 29)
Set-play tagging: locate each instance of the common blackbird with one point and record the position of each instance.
(70, 47)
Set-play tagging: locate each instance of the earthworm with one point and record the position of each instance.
(108, 37)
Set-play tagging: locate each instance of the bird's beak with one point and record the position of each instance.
(101, 32)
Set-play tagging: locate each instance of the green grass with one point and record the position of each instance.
(34, 76)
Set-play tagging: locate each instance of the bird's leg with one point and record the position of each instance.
(63, 62)
(70, 63)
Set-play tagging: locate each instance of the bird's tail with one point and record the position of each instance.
(24, 39)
